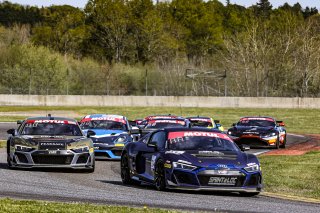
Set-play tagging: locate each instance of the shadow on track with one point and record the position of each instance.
(150, 187)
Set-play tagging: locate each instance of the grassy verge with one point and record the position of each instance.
(292, 175)
(297, 120)
(8, 205)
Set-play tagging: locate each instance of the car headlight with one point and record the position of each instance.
(183, 166)
(252, 167)
(23, 148)
(122, 139)
(81, 149)
(273, 134)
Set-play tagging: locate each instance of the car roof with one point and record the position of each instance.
(267, 117)
(200, 117)
(51, 118)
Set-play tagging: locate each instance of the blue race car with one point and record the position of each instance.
(191, 159)
(112, 132)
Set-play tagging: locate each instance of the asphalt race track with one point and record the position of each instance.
(104, 187)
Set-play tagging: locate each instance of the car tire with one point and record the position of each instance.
(159, 176)
(9, 163)
(277, 144)
(249, 194)
(283, 145)
(125, 170)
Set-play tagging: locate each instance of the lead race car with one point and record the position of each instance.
(192, 159)
(42, 142)
(259, 131)
(112, 132)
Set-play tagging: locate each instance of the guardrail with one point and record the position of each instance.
(158, 101)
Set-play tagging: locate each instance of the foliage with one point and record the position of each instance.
(266, 51)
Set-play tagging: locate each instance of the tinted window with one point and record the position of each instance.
(160, 138)
(262, 123)
(103, 124)
(51, 129)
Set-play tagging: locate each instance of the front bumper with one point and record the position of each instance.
(111, 152)
(255, 140)
(201, 180)
(52, 159)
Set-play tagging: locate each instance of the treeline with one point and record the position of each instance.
(181, 47)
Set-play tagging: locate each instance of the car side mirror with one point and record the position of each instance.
(244, 147)
(11, 132)
(20, 121)
(280, 123)
(153, 144)
(134, 130)
(234, 124)
(90, 133)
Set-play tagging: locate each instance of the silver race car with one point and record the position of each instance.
(42, 142)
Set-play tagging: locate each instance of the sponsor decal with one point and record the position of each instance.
(119, 144)
(50, 121)
(257, 118)
(153, 161)
(200, 119)
(167, 121)
(167, 165)
(175, 135)
(222, 181)
(108, 118)
(175, 152)
(159, 117)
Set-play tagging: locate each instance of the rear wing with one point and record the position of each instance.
(280, 123)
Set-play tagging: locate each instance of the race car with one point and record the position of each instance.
(42, 142)
(157, 122)
(259, 131)
(191, 159)
(205, 122)
(112, 132)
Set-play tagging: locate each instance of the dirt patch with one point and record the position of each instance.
(312, 144)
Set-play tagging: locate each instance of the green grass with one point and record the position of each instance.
(292, 175)
(9, 205)
(296, 120)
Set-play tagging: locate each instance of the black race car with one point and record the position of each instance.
(42, 142)
(192, 159)
(259, 131)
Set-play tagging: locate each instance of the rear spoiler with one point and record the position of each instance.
(280, 123)
(217, 121)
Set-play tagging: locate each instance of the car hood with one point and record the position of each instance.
(209, 158)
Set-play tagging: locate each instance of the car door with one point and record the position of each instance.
(156, 143)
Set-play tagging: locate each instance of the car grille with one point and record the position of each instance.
(254, 180)
(22, 158)
(101, 154)
(204, 180)
(52, 159)
(83, 158)
(117, 152)
(52, 145)
(185, 178)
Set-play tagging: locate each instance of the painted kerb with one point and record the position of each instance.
(169, 101)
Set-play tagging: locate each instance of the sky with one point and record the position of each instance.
(246, 3)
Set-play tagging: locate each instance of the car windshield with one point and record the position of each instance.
(203, 141)
(103, 124)
(258, 122)
(159, 124)
(51, 129)
(201, 124)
